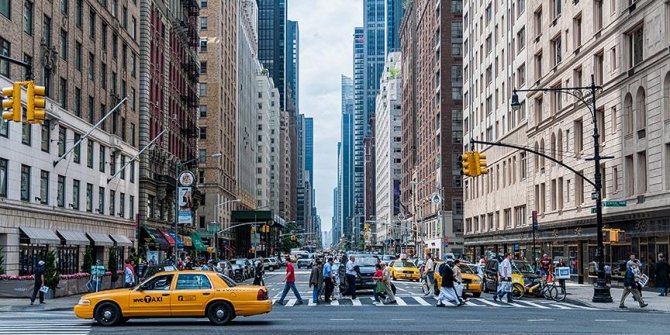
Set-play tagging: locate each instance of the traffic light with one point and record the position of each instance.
(35, 103)
(265, 229)
(467, 164)
(481, 167)
(253, 230)
(294, 238)
(11, 101)
(367, 227)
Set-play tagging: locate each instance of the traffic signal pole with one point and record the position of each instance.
(28, 66)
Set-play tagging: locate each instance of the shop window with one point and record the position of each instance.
(29, 255)
(68, 259)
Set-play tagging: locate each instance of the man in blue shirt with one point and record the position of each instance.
(328, 279)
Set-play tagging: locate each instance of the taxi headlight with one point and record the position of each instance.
(476, 281)
(84, 302)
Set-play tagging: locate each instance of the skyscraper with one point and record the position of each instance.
(358, 133)
(292, 63)
(394, 14)
(346, 163)
(309, 148)
(272, 42)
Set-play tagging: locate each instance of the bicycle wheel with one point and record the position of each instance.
(549, 292)
(518, 291)
(559, 293)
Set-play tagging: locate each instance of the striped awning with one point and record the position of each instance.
(40, 235)
(100, 239)
(122, 240)
(73, 237)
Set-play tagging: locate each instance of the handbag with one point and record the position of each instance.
(380, 288)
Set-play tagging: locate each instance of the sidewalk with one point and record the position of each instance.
(23, 304)
(583, 293)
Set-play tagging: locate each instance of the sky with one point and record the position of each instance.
(326, 52)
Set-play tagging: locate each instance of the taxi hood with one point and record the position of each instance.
(107, 293)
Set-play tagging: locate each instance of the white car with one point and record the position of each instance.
(305, 263)
(270, 264)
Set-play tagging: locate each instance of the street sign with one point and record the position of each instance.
(516, 246)
(614, 203)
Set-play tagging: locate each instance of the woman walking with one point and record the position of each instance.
(260, 271)
(390, 296)
(316, 281)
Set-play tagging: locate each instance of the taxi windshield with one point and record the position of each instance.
(466, 269)
(523, 267)
(404, 264)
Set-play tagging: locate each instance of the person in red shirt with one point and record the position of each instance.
(545, 264)
(290, 283)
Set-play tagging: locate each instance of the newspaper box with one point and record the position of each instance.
(562, 273)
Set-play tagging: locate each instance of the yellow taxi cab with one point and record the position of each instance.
(176, 294)
(472, 282)
(404, 269)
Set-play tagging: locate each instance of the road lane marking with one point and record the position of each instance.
(280, 320)
(421, 301)
(533, 304)
(517, 305)
(465, 320)
(559, 306)
(600, 320)
(341, 319)
(580, 307)
(356, 302)
(540, 320)
(400, 301)
(291, 302)
(402, 319)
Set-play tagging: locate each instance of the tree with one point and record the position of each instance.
(88, 260)
(51, 273)
(112, 265)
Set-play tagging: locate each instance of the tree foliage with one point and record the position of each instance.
(88, 260)
(51, 273)
(112, 265)
(2, 261)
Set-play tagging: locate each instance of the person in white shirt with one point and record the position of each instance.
(504, 279)
(430, 274)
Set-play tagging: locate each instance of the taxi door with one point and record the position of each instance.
(192, 293)
(152, 298)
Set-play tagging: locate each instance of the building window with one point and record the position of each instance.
(103, 76)
(112, 202)
(520, 40)
(131, 207)
(122, 205)
(4, 129)
(578, 136)
(635, 46)
(89, 198)
(76, 154)
(112, 162)
(5, 8)
(46, 135)
(3, 177)
(123, 167)
(203, 89)
(91, 109)
(132, 171)
(538, 22)
(600, 122)
(60, 197)
(203, 110)
(63, 93)
(556, 7)
(203, 3)
(25, 183)
(538, 110)
(78, 13)
(577, 30)
(556, 50)
(640, 113)
(597, 15)
(203, 23)
(44, 187)
(5, 47)
(101, 200)
(456, 82)
(101, 157)
(27, 16)
(579, 189)
(91, 23)
(524, 166)
(75, 194)
(203, 67)
(556, 100)
(629, 174)
(77, 101)
(91, 66)
(203, 133)
(77, 56)
(456, 38)
(203, 45)
(538, 66)
(26, 134)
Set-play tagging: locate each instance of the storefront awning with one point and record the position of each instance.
(161, 243)
(69, 237)
(187, 240)
(40, 235)
(197, 242)
(100, 240)
(176, 238)
(122, 240)
(168, 238)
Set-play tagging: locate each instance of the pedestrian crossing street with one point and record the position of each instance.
(37, 323)
(419, 301)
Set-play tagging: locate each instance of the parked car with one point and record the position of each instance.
(305, 263)
(245, 263)
(270, 264)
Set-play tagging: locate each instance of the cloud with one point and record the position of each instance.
(326, 52)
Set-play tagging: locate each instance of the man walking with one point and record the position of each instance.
(447, 291)
(290, 283)
(630, 284)
(505, 279)
(662, 272)
(386, 275)
(430, 274)
(351, 277)
(39, 283)
(316, 280)
(328, 279)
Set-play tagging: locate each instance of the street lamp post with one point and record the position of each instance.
(216, 215)
(601, 292)
(178, 171)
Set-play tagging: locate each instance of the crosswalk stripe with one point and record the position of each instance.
(311, 302)
(517, 305)
(400, 301)
(487, 302)
(334, 303)
(356, 302)
(421, 301)
(291, 302)
(533, 304)
(559, 306)
(577, 306)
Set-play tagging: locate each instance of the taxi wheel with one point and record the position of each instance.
(219, 313)
(107, 314)
(476, 294)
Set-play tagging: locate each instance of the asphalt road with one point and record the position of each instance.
(481, 316)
